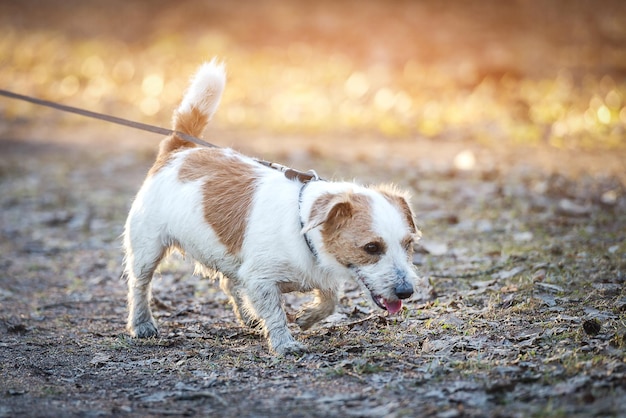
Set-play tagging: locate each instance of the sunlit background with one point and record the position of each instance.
(518, 71)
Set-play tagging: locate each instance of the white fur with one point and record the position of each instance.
(206, 88)
(274, 257)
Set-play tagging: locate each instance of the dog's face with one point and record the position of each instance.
(371, 235)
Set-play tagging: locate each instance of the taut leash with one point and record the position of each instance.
(107, 118)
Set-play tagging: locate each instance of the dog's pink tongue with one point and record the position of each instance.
(393, 307)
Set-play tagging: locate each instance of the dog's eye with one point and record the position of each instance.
(373, 248)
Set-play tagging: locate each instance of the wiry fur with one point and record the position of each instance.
(242, 222)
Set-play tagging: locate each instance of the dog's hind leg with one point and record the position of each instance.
(142, 259)
(233, 290)
(320, 308)
(263, 297)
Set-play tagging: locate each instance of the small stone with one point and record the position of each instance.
(16, 392)
(568, 208)
(523, 236)
(592, 326)
(16, 328)
(556, 250)
(609, 198)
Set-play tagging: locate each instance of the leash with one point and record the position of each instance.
(290, 173)
(107, 118)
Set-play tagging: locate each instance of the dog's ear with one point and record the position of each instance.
(332, 210)
(408, 214)
(401, 200)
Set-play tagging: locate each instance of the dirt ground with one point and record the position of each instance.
(538, 330)
(523, 249)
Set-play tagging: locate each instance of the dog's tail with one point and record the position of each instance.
(198, 105)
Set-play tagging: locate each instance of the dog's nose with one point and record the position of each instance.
(404, 291)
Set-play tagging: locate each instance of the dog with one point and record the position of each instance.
(261, 233)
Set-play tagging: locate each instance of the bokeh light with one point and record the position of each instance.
(397, 69)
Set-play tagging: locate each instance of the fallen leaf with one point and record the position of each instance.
(432, 346)
(100, 359)
(507, 274)
(482, 284)
(549, 300)
(549, 287)
(158, 396)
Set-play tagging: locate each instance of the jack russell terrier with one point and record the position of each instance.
(261, 233)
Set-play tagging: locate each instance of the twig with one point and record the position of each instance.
(356, 376)
(71, 303)
(354, 323)
(199, 395)
(471, 275)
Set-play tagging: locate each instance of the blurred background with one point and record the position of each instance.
(489, 72)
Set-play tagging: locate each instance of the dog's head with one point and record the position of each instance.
(369, 232)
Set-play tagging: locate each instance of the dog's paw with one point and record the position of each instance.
(288, 347)
(144, 330)
(305, 320)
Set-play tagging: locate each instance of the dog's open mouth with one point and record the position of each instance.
(392, 306)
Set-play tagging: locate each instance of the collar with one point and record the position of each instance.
(306, 236)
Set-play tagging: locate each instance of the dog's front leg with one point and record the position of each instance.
(322, 306)
(264, 297)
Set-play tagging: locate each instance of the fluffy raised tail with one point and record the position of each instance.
(198, 105)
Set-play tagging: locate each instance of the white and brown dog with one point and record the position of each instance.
(260, 232)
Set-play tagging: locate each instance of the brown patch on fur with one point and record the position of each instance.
(227, 192)
(346, 227)
(407, 243)
(190, 123)
(400, 200)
